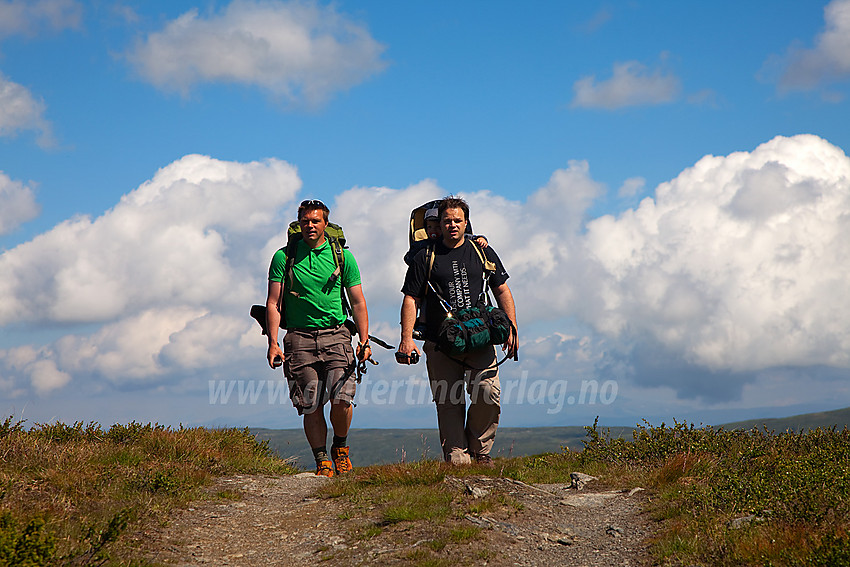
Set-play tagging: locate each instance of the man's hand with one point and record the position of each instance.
(364, 352)
(481, 241)
(275, 353)
(407, 347)
(505, 300)
(511, 347)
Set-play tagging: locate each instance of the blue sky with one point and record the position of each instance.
(666, 183)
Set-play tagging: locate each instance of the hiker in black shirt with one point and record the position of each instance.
(457, 282)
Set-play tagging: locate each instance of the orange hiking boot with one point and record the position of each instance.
(324, 468)
(484, 461)
(341, 460)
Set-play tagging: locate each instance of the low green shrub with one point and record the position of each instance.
(740, 497)
(27, 545)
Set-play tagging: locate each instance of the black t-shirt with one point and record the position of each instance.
(457, 275)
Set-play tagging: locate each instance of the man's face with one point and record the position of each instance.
(432, 227)
(313, 226)
(453, 224)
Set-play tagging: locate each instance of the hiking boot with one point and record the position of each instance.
(484, 461)
(324, 468)
(341, 460)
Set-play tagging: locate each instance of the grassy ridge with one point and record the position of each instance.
(836, 418)
(383, 446)
(719, 497)
(69, 492)
(740, 497)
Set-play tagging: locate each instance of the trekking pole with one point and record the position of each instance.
(379, 342)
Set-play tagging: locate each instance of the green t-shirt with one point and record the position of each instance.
(318, 304)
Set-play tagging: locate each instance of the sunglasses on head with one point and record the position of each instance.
(313, 203)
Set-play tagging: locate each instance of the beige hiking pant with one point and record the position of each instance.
(465, 434)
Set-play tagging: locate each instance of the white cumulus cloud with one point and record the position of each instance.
(828, 60)
(129, 349)
(735, 267)
(301, 51)
(166, 273)
(169, 242)
(727, 274)
(738, 264)
(35, 368)
(536, 240)
(28, 17)
(631, 186)
(17, 204)
(632, 84)
(46, 376)
(20, 111)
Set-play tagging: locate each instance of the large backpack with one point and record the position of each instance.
(336, 240)
(417, 231)
(418, 239)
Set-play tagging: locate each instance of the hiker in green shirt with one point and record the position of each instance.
(318, 360)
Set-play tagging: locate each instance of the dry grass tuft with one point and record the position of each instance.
(68, 493)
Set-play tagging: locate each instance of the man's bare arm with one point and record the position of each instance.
(273, 321)
(505, 300)
(409, 306)
(361, 319)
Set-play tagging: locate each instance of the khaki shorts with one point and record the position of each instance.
(319, 366)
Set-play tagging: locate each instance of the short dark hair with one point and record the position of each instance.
(313, 205)
(452, 202)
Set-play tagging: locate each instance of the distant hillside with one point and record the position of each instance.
(377, 446)
(838, 418)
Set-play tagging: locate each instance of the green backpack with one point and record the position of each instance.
(336, 240)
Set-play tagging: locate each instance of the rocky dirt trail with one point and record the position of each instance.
(281, 521)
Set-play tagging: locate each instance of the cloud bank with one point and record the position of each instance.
(739, 263)
(730, 273)
(300, 51)
(173, 258)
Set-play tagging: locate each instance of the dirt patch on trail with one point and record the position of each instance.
(281, 521)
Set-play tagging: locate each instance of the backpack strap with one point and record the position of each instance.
(489, 268)
(489, 265)
(289, 276)
(339, 260)
(429, 264)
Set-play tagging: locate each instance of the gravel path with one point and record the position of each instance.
(279, 521)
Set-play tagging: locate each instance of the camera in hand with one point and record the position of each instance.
(411, 358)
(277, 362)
